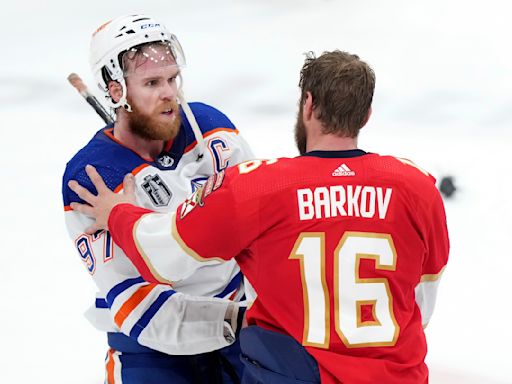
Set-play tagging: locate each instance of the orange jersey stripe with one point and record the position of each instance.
(232, 296)
(134, 172)
(193, 144)
(110, 366)
(119, 187)
(131, 303)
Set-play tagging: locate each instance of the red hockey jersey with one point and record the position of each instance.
(344, 250)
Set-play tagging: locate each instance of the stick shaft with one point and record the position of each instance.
(100, 110)
(80, 86)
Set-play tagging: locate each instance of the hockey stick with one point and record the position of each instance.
(78, 84)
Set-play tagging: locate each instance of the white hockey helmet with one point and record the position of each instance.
(111, 40)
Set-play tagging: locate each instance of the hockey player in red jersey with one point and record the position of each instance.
(344, 248)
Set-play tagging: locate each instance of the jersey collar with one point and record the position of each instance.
(336, 154)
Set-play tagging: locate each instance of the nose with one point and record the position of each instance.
(169, 91)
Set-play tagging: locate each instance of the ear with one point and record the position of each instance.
(115, 90)
(307, 108)
(368, 114)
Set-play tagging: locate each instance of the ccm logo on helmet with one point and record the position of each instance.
(150, 25)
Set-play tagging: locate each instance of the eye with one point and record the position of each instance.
(152, 83)
(172, 79)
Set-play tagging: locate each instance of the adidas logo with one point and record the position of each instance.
(343, 170)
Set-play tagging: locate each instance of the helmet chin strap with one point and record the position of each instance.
(192, 121)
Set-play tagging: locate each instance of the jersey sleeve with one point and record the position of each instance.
(152, 313)
(437, 245)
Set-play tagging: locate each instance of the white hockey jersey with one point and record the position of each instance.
(179, 317)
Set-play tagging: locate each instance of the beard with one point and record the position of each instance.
(153, 126)
(300, 133)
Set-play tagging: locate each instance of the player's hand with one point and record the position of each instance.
(99, 207)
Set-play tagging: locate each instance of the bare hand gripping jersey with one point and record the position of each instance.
(344, 250)
(163, 313)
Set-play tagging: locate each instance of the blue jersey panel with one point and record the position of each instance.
(208, 118)
(273, 358)
(143, 365)
(111, 160)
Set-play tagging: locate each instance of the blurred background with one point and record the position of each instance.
(443, 99)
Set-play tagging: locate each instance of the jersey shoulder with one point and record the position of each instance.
(274, 175)
(412, 178)
(112, 160)
(399, 166)
(208, 118)
(262, 176)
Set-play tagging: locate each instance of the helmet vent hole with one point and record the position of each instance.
(129, 32)
(143, 18)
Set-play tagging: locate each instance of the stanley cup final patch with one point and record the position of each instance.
(158, 192)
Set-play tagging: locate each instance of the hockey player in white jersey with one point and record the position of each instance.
(159, 330)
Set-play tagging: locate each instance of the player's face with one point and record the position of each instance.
(300, 132)
(151, 92)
